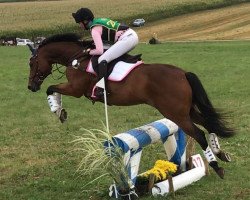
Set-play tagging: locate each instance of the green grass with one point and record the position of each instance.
(37, 159)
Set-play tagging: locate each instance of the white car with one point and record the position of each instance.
(138, 22)
(22, 42)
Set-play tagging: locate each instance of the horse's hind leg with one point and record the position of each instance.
(214, 143)
(213, 139)
(193, 131)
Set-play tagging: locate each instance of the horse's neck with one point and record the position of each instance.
(64, 54)
(61, 53)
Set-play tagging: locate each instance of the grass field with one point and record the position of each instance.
(27, 19)
(37, 160)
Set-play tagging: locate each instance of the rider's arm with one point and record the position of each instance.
(96, 33)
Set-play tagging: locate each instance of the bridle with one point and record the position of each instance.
(38, 73)
(79, 55)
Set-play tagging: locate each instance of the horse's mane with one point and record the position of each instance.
(67, 37)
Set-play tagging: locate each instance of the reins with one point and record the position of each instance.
(57, 68)
(79, 56)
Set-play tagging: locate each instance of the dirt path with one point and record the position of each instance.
(230, 23)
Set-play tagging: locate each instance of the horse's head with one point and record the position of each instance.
(40, 68)
(62, 49)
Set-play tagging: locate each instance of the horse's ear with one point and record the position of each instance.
(32, 49)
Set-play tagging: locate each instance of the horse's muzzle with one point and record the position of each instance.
(33, 88)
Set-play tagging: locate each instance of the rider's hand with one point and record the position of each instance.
(86, 51)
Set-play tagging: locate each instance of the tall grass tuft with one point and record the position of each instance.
(100, 154)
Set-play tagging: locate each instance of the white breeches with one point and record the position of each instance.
(126, 42)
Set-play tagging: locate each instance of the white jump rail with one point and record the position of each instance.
(182, 180)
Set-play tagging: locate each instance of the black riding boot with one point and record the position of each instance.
(102, 73)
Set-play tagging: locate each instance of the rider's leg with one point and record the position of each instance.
(102, 73)
(125, 43)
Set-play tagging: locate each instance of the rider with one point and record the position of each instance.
(112, 39)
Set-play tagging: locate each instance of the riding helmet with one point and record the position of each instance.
(83, 14)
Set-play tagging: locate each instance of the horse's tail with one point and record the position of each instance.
(213, 120)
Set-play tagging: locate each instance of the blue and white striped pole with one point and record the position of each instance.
(133, 141)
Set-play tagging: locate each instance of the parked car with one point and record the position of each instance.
(22, 42)
(138, 22)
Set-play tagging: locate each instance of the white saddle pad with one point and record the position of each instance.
(120, 71)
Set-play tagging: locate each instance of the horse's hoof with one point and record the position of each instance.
(63, 116)
(220, 172)
(224, 156)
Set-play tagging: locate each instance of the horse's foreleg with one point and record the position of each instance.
(54, 97)
(55, 104)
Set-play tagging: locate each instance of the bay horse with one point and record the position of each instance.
(178, 95)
